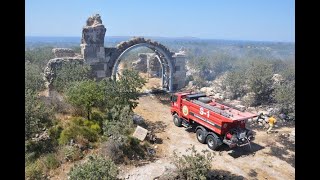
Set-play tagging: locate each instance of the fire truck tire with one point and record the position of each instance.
(177, 121)
(212, 142)
(201, 135)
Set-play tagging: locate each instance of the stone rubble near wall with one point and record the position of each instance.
(63, 52)
(141, 63)
(154, 66)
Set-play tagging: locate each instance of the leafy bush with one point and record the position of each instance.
(51, 161)
(72, 153)
(34, 170)
(119, 123)
(260, 82)
(69, 73)
(79, 127)
(37, 115)
(33, 77)
(85, 95)
(96, 168)
(55, 131)
(124, 91)
(285, 97)
(35, 149)
(133, 149)
(235, 83)
(112, 149)
(194, 165)
(39, 56)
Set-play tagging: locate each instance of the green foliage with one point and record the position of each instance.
(72, 153)
(96, 168)
(37, 115)
(80, 127)
(260, 82)
(194, 165)
(68, 73)
(98, 117)
(132, 148)
(51, 161)
(124, 91)
(39, 56)
(85, 95)
(34, 170)
(33, 149)
(33, 77)
(119, 123)
(235, 83)
(55, 131)
(285, 97)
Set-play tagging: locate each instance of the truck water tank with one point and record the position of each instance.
(205, 99)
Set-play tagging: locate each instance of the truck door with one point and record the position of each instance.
(175, 104)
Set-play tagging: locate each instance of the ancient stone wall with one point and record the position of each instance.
(63, 52)
(179, 76)
(104, 61)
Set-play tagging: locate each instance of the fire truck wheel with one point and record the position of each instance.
(201, 136)
(212, 142)
(177, 121)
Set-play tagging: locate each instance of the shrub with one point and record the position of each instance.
(35, 149)
(80, 127)
(111, 149)
(69, 73)
(51, 161)
(72, 153)
(37, 114)
(85, 95)
(235, 82)
(34, 170)
(33, 77)
(96, 168)
(133, 149)
(260, 82)
(194, 165)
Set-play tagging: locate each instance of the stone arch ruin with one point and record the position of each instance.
(104, 61)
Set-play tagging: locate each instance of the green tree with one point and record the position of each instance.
(260, 81)
(284, 95)
(85, 95)
(37, 115)
(119, 123)
(39, 56)
(33, 77)
(235, 82)
(69, 73)
(96, 168)
(124, 91)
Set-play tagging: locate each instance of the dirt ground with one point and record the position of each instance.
(270, 157)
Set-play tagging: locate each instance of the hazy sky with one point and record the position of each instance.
(261, 20)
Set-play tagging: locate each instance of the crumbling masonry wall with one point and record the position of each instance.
(104, 60)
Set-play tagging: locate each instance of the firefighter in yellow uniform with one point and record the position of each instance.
(272, 120)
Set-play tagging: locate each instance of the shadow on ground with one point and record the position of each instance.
(241, 151)
(282, 152)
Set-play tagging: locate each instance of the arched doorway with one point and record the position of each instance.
(164, 55)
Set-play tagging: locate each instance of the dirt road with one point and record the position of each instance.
(261, 163)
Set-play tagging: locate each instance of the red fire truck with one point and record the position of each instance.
(214, 122)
